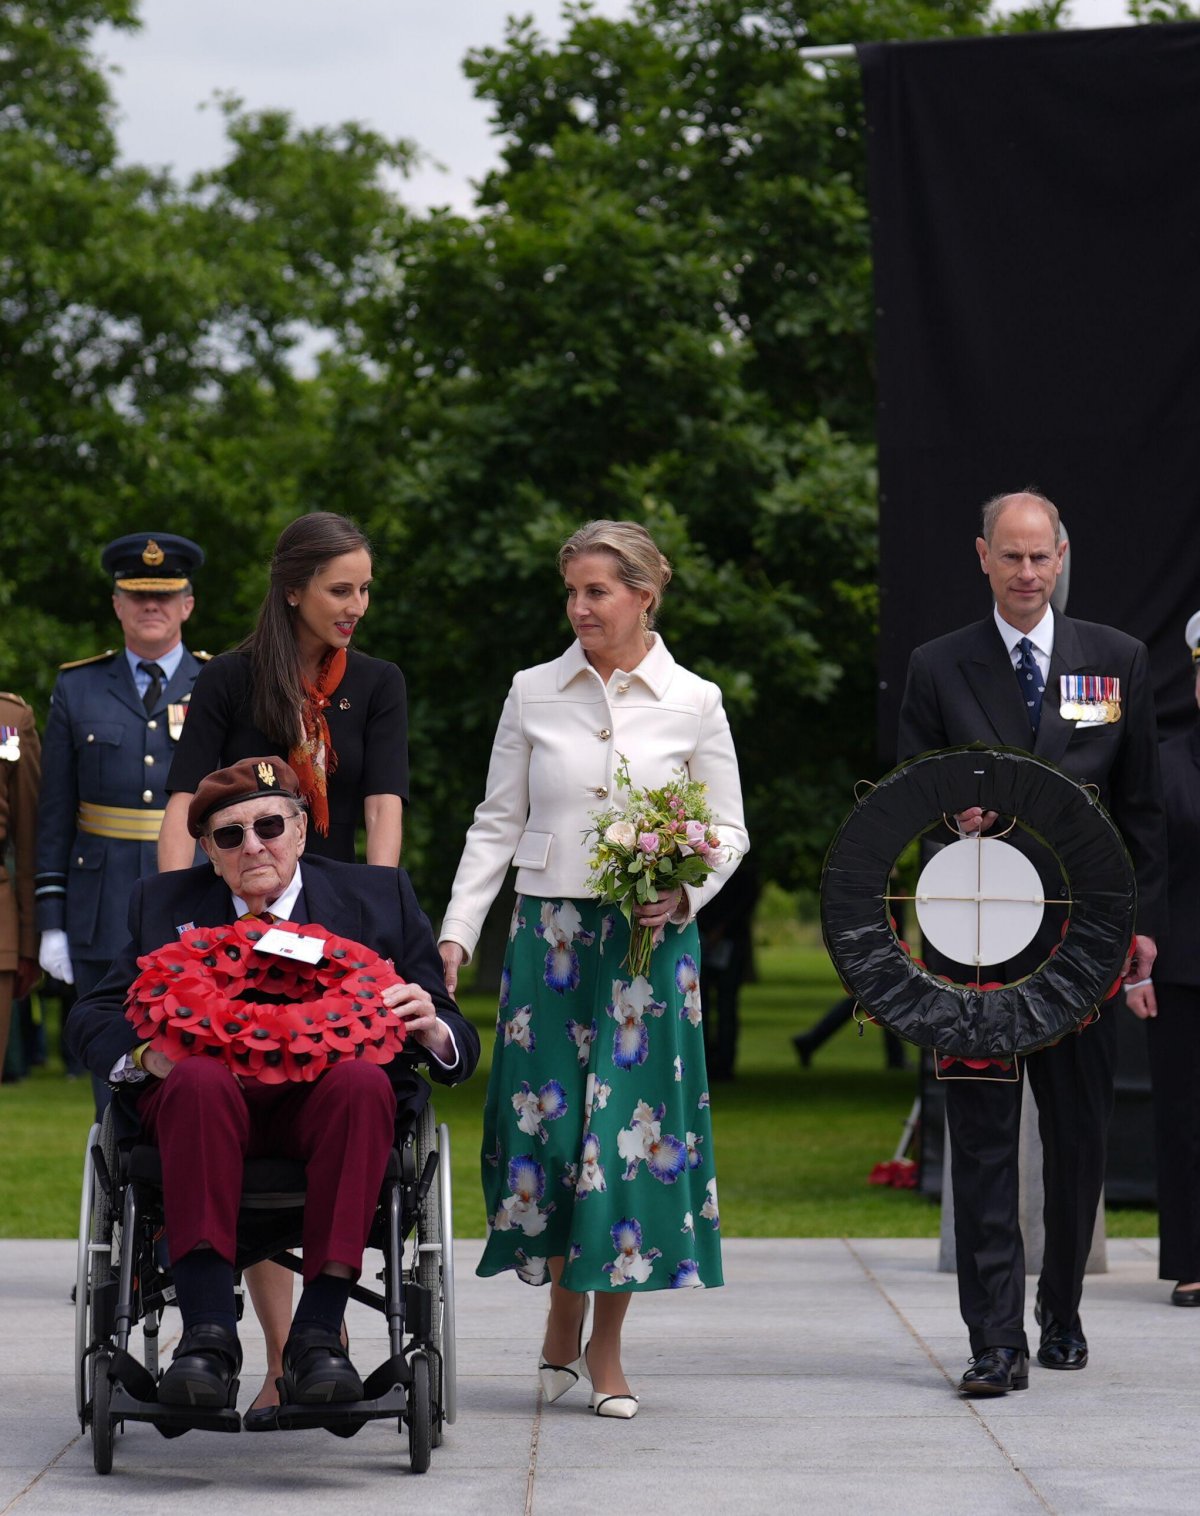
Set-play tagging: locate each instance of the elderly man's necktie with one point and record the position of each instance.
(155, 688)
(1033, 686)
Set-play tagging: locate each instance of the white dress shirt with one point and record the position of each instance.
(1042, 638)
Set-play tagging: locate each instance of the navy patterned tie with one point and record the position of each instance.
(1033, 686)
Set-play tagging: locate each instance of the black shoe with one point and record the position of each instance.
(317, 1369)
(1180, 1296)
(803, 1051)
(204, 1370)
(1061, 1347)
(263, 1419)
(996, 1371)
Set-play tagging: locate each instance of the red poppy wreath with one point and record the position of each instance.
(271, 1018)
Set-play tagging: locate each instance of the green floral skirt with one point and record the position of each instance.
(597, 1139)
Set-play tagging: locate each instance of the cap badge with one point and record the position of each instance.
(266, 774)
(152, 554)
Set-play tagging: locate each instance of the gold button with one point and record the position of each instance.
(149, 760)
(152, 726)
(91, 736)
(623, 687)
(147, 796)
(602, 790)
(604, 734)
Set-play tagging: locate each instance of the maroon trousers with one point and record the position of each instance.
(206, 1123)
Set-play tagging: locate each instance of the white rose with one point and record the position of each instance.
(621, 834)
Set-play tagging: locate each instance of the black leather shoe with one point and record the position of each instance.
(264, 1418)
(1181, 1296)
(996, 1371)
(317, 1369)
(1062, 1347)
(204, 1370)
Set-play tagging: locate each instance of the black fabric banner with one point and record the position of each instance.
(1035, 204)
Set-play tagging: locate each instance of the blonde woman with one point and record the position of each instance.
(598, 1165)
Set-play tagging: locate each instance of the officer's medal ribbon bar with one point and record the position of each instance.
(1089, 699)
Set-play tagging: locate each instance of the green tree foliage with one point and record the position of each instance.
(660, 310)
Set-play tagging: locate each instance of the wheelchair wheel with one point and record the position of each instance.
(102, 1427)
(93, 1259)
(435, 1267)
(420, 1414)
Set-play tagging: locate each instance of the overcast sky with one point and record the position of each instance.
(395, 64)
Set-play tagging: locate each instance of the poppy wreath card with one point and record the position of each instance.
(271, 1018)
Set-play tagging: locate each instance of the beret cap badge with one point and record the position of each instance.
(266, 774)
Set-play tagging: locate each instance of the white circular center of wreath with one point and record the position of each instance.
(979, 901)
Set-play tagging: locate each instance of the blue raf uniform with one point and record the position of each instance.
(106, 755)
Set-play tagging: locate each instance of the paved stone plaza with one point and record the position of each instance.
(818, 1381)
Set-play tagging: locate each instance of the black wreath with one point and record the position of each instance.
(962, 1021)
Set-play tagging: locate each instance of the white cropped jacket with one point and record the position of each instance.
(561, 736)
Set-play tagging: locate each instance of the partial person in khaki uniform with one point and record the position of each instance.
(20, 774)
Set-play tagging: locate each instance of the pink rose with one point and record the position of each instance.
(648, 842)
(695, 832)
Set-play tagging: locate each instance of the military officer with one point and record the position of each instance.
(20, 766)
(113, 724)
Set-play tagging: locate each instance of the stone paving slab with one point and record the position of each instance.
(819, 1380)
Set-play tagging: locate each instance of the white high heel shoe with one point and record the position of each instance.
(621, 1407)
(557, 1378)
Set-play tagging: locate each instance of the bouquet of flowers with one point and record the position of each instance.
(656, 839)
(271, 1018)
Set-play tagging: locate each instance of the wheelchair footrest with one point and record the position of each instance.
(394, 1370)
(346, 1417)
(171, 1418)
(125, 1370)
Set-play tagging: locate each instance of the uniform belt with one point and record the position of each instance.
(122, 822)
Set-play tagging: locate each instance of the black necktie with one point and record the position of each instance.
(1033, 686)
(155, 687)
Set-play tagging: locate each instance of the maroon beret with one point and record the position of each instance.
(246, 780)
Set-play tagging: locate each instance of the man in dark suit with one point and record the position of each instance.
(1006, 680)
(250, 821)
(113, 725)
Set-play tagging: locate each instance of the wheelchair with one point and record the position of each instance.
(123, 1281)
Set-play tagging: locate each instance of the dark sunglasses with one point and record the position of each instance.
(266, 828)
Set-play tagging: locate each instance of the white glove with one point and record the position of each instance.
(55, 956)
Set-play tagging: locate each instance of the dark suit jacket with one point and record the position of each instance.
(1178, 960)
(962, 688)
(375, 906)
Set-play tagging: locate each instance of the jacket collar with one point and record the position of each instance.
(988, 669)
(654, 671)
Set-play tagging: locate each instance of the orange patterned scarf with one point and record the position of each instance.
(313, 756)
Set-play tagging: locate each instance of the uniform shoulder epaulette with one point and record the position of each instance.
(109, 652)
(201, 656)
(16, 699)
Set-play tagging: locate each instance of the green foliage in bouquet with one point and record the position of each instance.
(657, 839)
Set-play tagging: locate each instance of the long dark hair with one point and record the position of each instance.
(303, 549)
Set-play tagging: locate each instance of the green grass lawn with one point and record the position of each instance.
(794, 1147)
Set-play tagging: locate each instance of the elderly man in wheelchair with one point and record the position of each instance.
(248, 1099)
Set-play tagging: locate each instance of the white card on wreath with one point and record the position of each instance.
(291, 945)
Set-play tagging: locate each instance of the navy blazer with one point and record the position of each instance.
(962, 688)
(368, 904)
